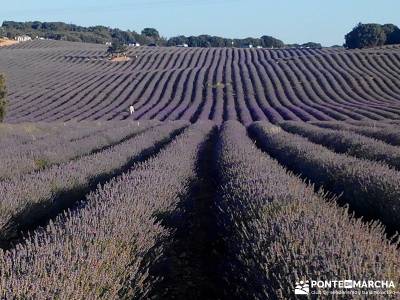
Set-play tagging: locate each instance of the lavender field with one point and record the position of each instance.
(173, 210)
(240, 173)
(61, 81)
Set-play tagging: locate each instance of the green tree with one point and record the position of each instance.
(250, 41)
(3, 101)
(117, 48)
(392, 33)
(312, 45)
(365, 35)
(271, 42)
(395, 37)
(177, 40)
(151, 32)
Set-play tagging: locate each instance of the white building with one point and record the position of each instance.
(134, 45)
(183, 45)
(23, 38)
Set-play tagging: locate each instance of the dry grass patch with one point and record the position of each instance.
(7, 42)
(120, 58)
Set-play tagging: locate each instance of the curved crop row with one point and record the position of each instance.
(78, 82)
(278, 231)
(23, 133)
(31, 198)
(369, 187)
(106, 244)
(388, 135)
(347, 142)
(15, 161)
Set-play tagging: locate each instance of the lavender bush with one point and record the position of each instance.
(347, 142)
(23, 133)
(30, 198)
(19, 159)
(98, 251)
(278, 231)
(371, 188)
(389, 134)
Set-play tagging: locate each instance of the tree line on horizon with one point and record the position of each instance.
(361, 36)
(372, 35)
(74, 33)
(103, 35)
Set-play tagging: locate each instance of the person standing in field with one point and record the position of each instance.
(132, 110)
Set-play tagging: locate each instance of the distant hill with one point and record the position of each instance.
(73, 33)
(103, 35)
(76, 81)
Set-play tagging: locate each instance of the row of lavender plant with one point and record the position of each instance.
(26, 143)
(27, 199)
(253, 85)
(23, 133)
(347, 142)
(26, 131)
(386, 134)
(371, 188)
(69, 131)
(55, 150)
(99, 251)
(278, 231)
(380, 123)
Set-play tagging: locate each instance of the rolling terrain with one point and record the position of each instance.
(241, 173)
(91, 208)
(61, 81)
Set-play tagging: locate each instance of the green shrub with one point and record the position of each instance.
(3, 101)
(41, 163)
(365, 35)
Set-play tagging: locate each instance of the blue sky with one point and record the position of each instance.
(293, 21)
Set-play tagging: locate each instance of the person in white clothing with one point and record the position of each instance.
(131, 109)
